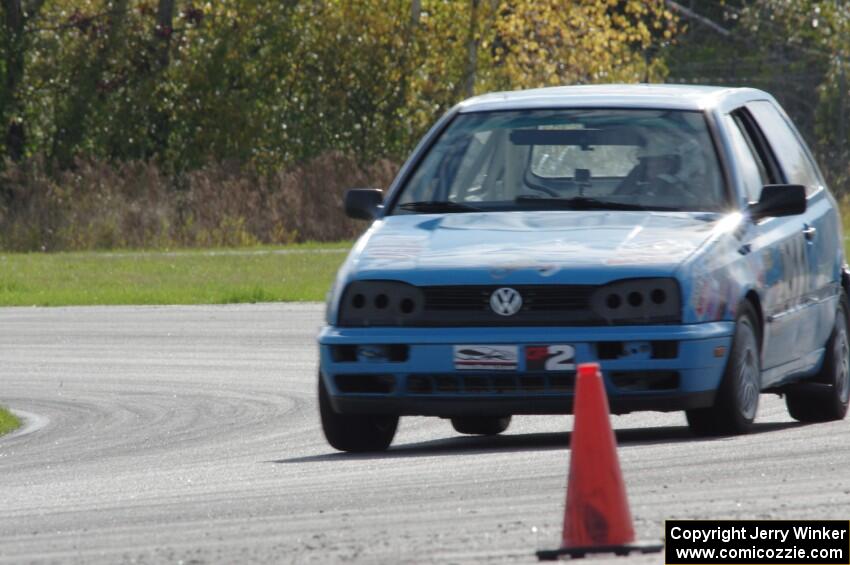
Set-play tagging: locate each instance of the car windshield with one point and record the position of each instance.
(568, 159)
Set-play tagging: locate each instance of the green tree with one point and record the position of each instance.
(797, 51)
(17, 16)
(277, 83)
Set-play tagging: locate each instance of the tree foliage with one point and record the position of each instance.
(273, 82)
(799, 51)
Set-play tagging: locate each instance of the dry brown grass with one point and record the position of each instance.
(100, 205)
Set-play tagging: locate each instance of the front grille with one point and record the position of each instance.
(542, 305)
(516, 384)
(535, 298)
(492, 384)
(379, 303)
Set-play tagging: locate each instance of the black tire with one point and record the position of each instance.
(481, 425)
(826, 397)
(355, 432)
(736, 403)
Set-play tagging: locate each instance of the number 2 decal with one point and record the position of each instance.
(550, 357)
(562, 358)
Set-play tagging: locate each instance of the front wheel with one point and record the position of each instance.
(826, 398)
(738, 395)
(355, 432)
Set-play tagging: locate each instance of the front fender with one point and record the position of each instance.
(718, 276)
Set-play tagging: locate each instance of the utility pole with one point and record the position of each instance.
(13, 54)
(471, 50)
(415, 12)
(842, 97)
(164, 29)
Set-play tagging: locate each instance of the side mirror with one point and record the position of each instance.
(779, 200)
(363, 203)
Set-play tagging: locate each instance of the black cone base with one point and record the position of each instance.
(579, 551)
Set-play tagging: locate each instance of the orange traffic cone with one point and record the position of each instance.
(596, 517)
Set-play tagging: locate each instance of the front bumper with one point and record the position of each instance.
(661, 368)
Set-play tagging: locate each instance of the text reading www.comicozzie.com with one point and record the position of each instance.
(742, 542)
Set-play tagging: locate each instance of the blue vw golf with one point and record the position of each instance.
(683, 237)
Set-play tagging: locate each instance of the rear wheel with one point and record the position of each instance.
(481, 425)
(737, 397)
(355, 432)
(826, 398)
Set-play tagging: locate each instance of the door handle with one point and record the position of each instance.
(809, 232)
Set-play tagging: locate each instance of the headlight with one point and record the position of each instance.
(637, 301)
(380, 303)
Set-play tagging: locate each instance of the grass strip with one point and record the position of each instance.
(220, 276)
(293, 273)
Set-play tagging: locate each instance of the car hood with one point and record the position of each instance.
(529, 247)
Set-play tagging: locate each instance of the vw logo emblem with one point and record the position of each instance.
(505, 301)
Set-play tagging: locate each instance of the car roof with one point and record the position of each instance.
(660, 96)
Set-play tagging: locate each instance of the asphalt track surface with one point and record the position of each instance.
(191, 435)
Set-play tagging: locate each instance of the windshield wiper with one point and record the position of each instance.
(585, 203)
(437, 207)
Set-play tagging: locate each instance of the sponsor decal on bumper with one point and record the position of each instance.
(486, 357)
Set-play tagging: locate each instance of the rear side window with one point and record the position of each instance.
(787, 146)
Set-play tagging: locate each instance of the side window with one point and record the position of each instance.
(764, 172)
(753, 172)
(787, 146)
